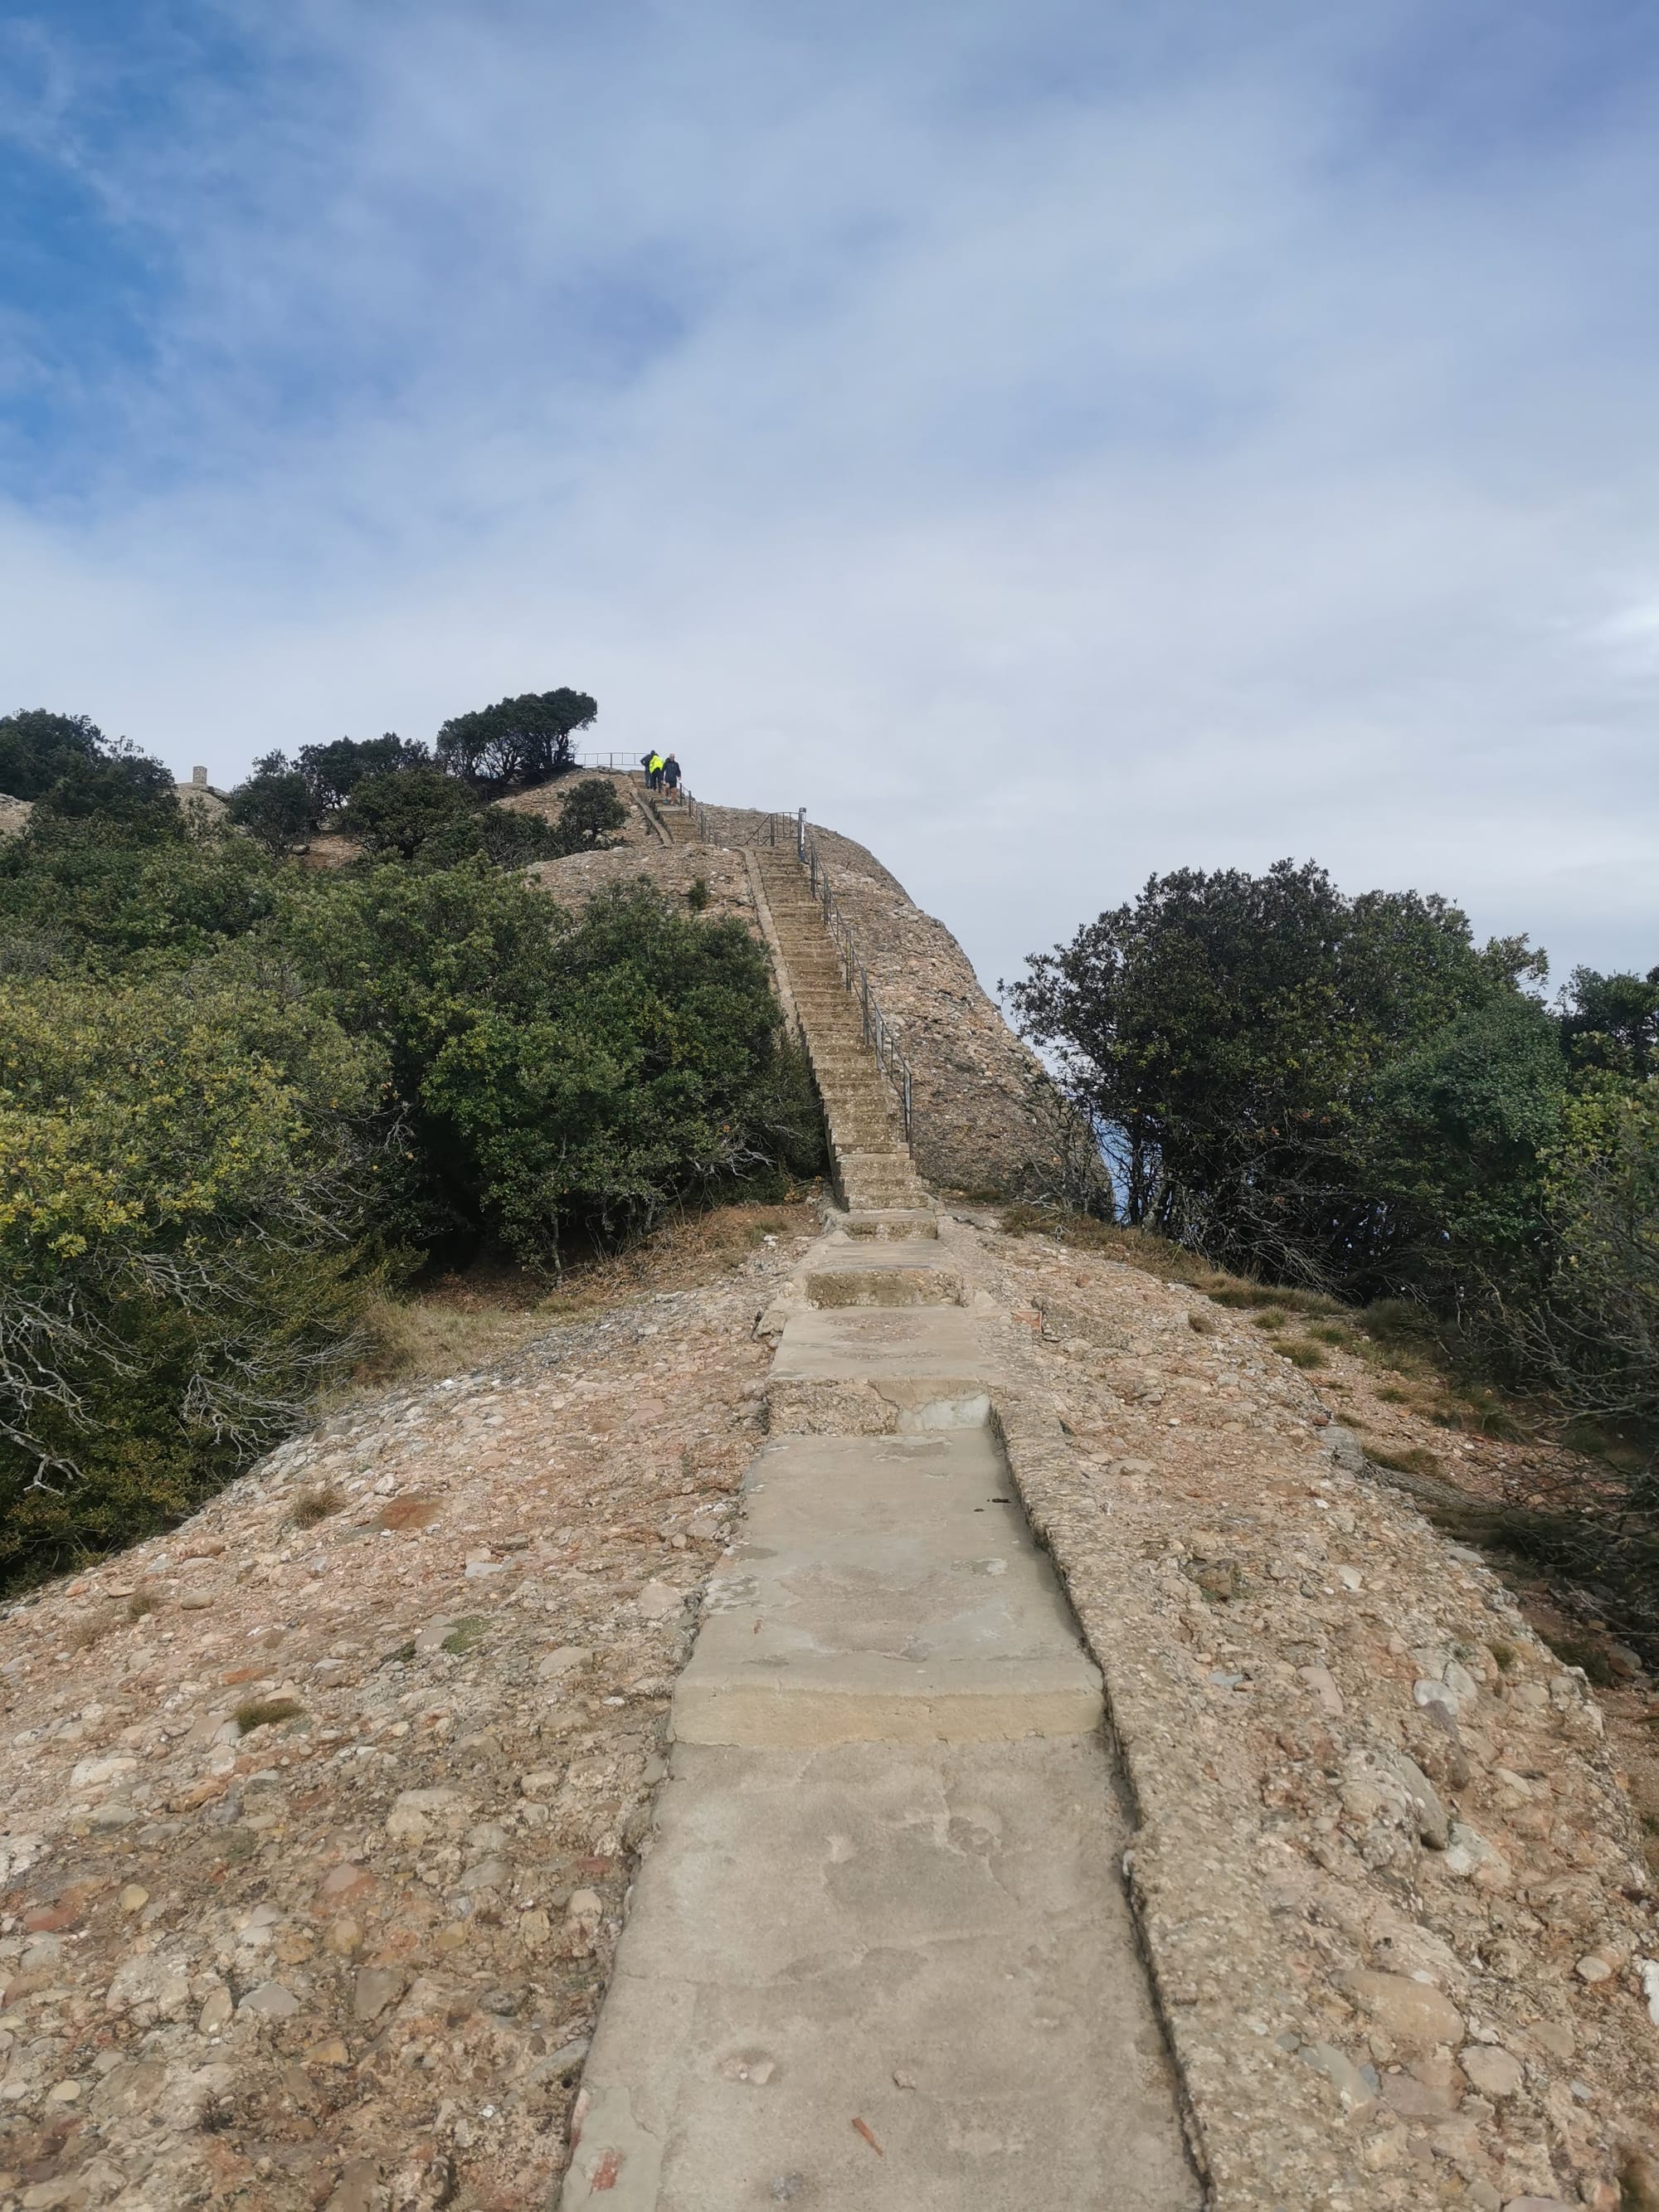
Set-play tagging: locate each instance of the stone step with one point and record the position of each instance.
(885, 1590)
(846, 1274)
(933, 1940)
(858, 1372)
(881, 1224)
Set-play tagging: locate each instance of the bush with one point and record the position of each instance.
(549, 1076)
(102, 896)
(181, 1163)
(276, 806)
(517, 742)
(398, 815)
(37, 747)
(1290, 1080)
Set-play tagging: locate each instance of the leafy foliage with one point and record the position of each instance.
(179, 1166)
(334, 770)
(1228, 1034)
(37, 747)
(550, 1077)
(276, 806)
(589, 816)
(517, 742)
(401, 811)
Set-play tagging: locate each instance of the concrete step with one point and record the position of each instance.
(881, 1224)
(848, 1274)
(877, 1373)
(885, 1590)
(931, 1941)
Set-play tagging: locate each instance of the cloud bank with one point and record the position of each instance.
(1053, 443)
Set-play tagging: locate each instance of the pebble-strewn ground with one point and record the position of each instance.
(1400, 1909)
(318, 1815)
(317, 1830)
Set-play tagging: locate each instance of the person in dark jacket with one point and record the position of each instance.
(670, 777)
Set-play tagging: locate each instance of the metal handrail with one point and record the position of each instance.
(878, 1032)
(788, 829)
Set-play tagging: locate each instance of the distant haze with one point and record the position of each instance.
(1055, 441)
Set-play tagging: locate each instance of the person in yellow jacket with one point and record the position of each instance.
(652, 765)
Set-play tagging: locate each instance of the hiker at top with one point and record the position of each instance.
(670, 777)
(652, 765)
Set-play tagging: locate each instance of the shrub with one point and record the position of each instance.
(276, 806)
(547, 1075)
(179, 1172)
(94, 895)
(398, 814)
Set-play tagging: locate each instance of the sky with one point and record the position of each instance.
(1055, 440)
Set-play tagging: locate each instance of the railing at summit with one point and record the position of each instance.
(791, 829)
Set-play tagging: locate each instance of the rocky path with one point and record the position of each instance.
(880, 1954)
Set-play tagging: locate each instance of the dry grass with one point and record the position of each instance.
(265, 1712)
(317, 1504)
(142, 1601)
(455, 1324)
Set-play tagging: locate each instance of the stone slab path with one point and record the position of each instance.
(879, 1957)
(879, 1954)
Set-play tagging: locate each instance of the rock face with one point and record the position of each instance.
(14, 815)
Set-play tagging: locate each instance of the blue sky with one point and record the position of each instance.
(1056, 442)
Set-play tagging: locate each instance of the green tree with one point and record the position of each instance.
(182, 1163)
(591, 813)
(549, 1076)
(37, 747)
(334, 770)
(517, 742)
(1226, 1033)
(276, 805)
(1611, 1022)
(399, 813)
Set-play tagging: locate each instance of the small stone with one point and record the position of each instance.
(1414, 2011)
(344, 1935)
(1347, 2080)
(543, 1781)
(1469, 1854)
(64, 2093)
(1557, 2037)
(377, 1988)
(1493, 2071)
(1592, 1969)
(1322, 1683)
(271, 2000)
(331, 2051)
(658, 1599)
(553, 1665)
(134, 1897)
(489, 1874)
(215, 2013)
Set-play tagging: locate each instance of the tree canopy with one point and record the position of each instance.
(517, 742)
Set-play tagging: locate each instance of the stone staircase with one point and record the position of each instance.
(874, 1172)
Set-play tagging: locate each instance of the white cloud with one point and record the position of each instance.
(1056, 447)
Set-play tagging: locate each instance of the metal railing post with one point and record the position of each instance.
(800, 834)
